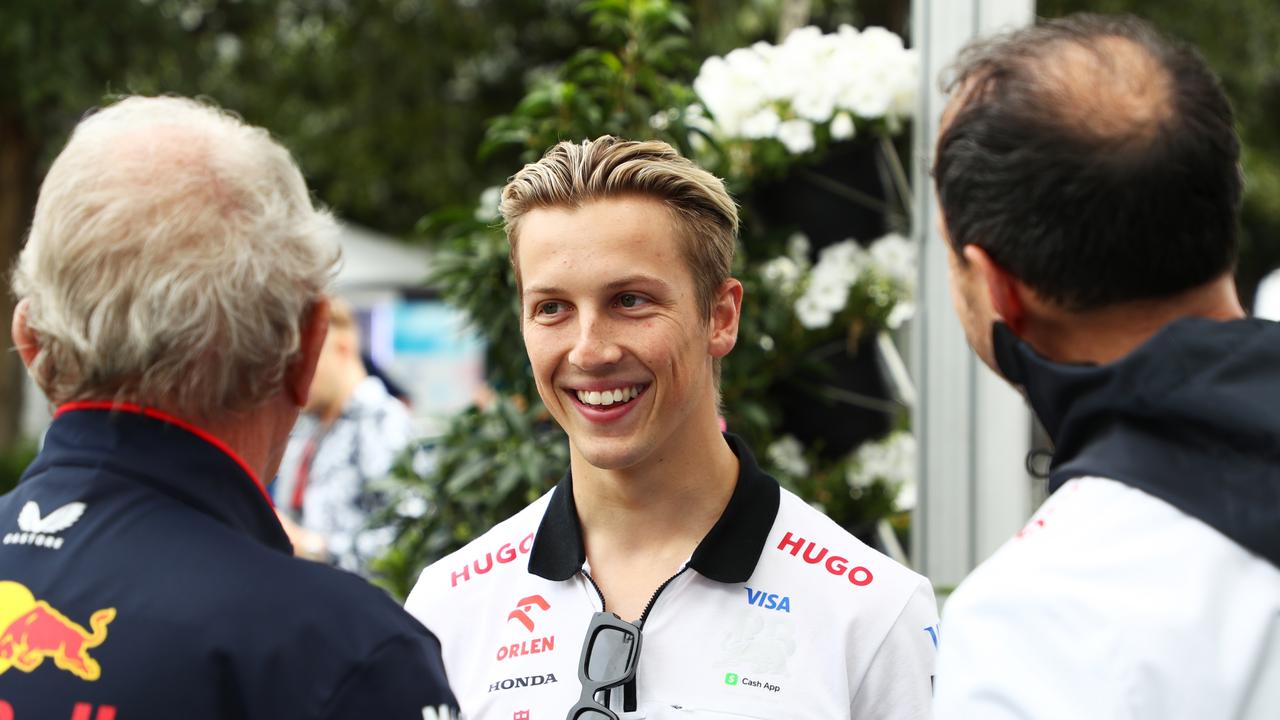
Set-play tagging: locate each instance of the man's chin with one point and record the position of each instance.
(610, 454)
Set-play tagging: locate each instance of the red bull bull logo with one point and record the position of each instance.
(35, 631)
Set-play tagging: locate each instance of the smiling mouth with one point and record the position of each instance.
(606, 398)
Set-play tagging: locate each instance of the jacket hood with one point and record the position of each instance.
(1192, 417)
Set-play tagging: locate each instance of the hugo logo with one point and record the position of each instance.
(814, 554)
(523, 606)
(506, 553)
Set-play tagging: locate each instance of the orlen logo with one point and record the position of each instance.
(523, 607)
(768, 601)
(528, 647)
(522, 682)
(836, 565)
(505, 554)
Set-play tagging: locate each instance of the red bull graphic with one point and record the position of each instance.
(35, 630)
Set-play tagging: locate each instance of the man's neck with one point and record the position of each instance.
(1106, 335)
(257, 436)
(672, 498)
(640, 523)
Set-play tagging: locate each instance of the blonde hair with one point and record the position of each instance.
(173, 255)
(572, 174)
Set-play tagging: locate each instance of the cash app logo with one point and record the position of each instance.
(731, 679)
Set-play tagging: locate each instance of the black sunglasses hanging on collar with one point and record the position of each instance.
(610, 654)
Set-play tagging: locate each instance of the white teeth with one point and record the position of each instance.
(608, 397)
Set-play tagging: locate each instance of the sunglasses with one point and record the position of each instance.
(610, 654)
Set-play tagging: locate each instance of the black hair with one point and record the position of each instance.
(1093, 159)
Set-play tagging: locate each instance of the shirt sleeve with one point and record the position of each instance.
(899, 682)
(403, 679)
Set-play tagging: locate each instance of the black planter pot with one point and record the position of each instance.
(818, 199)
(853, 408)
(843, 196)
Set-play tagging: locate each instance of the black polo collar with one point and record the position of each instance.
(727, 554)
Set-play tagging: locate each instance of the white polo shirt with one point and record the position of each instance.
(779, 613)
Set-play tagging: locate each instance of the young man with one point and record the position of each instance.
(748, 602)
(171, 305)
(1088, 175)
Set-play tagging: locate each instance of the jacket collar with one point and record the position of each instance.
(728, 553)
(169, 456)
(1191, 416)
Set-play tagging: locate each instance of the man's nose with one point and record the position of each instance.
(595, 346)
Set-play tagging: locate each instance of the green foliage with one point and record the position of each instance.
(613, 88)
(472, 271)
(14, 463)
(489, 465)
(383, 102)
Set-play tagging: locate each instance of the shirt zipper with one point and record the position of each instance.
(629, 689)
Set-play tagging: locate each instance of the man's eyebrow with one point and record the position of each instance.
(614, 285)
(637, 279)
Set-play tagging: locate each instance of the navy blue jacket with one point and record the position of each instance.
(143, 574)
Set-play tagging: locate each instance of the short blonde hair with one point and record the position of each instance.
(173, 255)
(572, 174)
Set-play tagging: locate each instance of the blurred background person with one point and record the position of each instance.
(346, 440)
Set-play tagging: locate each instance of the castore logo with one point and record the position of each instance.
(39, 531)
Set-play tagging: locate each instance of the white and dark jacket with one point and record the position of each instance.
(1148, 585)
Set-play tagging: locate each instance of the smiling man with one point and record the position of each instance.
(744, 599)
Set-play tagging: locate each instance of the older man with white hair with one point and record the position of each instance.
(171, 307)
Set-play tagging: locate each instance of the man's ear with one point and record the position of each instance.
(24, 340)
(297, 377)
(1003, 288)
(725, 314)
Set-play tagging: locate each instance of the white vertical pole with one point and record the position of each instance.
(973, 431)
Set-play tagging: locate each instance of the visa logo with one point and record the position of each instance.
(768, 601)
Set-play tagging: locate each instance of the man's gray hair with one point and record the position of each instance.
(173, 256)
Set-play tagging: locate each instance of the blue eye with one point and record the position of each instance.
(630, 300)
(549, 308)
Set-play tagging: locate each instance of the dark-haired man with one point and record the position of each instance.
(1088, 176)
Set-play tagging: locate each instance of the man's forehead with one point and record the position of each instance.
(634, 223)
